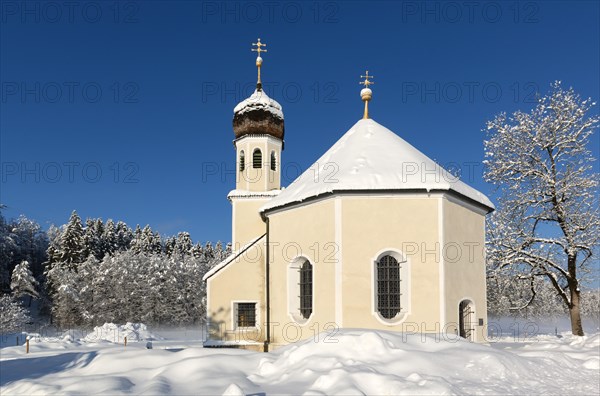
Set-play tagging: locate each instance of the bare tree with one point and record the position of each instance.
(547, 224)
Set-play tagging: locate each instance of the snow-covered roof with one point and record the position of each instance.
(230, 258)
(371, 157)
(259, 101)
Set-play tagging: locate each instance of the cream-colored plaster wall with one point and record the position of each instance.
(464, 241)
(306, 231)
(373, 225)
(246, 221)
(349, 232)
(241, 280)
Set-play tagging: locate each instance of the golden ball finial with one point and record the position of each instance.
(366, 94)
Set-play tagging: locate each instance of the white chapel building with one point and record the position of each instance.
(373, 235)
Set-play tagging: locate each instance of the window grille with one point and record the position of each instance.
(306, 289)
(465, 321)
(242, 161)
(246, 314)
(257, 159)
(388, 287)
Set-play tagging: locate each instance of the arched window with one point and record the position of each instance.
(306, 289)
(273, 161)
(388, 287)
(465, 319)
(242, 161)
(257, 158)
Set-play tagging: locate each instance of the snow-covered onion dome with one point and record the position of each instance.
(258, 114)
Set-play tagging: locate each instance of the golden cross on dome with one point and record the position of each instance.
(259, 49)
(259, 46)
(367, 82)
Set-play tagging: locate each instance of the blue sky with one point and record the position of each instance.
(123, 110)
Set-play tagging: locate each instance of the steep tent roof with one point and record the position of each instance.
(371, 157)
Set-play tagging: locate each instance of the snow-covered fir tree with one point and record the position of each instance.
(93, 239)
(72, 243)
(169, 245)
(22, 281)
(136, 244)
(109, 237)
(124, 236)
(183, 244)
(146, 241)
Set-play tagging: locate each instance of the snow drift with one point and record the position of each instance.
(354, 362)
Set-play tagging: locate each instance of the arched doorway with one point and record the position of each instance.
(466, 313)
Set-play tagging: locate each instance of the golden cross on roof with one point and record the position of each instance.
(367, 82)
(259, 49)
(366, 94)
(259, 46)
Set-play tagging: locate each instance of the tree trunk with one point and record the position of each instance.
(576, 326)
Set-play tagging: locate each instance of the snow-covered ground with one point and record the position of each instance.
(359, 362)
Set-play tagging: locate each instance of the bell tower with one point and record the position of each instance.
(258, 126)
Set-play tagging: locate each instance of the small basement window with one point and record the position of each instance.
(246, 314)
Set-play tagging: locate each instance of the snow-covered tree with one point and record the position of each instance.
(109, 237)
(22, 281)
(547, 223)
(590, 304)
(169, 246)
(72, 246)
(209, 253)
(152, 240)
(137, 278)
(146, 241)
(183, 244)
(93, 241)
(124, 236)
(53, 252)
(20, 239)
(508, 294)
(8, 248)
(12, 314)
(197, 251)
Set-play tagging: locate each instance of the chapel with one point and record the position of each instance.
(373, 235)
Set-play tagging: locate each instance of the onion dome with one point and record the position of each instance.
(258, 114)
